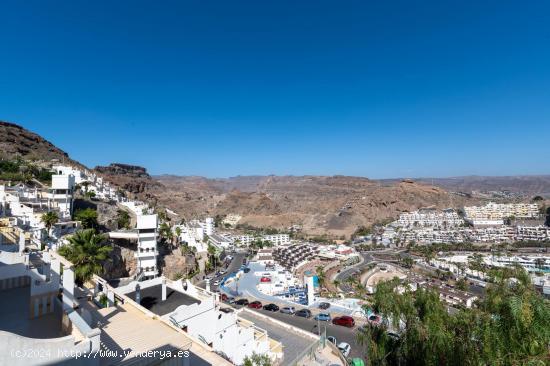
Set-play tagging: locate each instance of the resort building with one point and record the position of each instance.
(502, 210)
(430, 218)
(277, 239)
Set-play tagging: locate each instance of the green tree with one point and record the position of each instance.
(87, 217)
(510, 326)
(49, 219)
(321, 276)
(90, 194)
(257, 360)
(87, 252)
(123, 219)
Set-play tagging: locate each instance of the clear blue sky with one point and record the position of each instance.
(223, 88)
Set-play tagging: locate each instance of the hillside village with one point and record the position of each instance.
(92, 264)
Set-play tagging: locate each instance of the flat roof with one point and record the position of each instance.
(151, 299)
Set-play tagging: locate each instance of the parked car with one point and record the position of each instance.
(226, 310)
(265, 279)
(288, 310)
(216, 283)
(243, 302)
(255, 305)
(324, 305)
(346, 321)
(332, 339)
(345, 348)
(246, 270)
(324, 317)
(271, 307)
(224, 297)
(304, 313)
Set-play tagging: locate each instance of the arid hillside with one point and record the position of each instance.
(335, 205)
(17, 142)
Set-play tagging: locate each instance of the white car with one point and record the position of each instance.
(345, 348)
(216, 283)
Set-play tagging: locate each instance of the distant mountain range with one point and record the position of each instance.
(331, 205)
(525, 184)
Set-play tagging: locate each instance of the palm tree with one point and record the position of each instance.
(212, 255)
(49, 219)
(86, 251)
(321, 277)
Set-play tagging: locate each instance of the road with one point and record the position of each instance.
(353, 271)
(234, 266)
(342, 334)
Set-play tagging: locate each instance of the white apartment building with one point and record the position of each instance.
(430, 218)
(533, 233)
(146, 253)
(61, 194)
(195, 233)
(200, 317)
(33, 317)
(244, 240)
(502, 210)
(277, 239)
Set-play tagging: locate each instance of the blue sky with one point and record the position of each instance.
(222, 88)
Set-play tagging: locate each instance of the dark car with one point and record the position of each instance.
(241, 302)
(246, 270)
(226, 310)
(304, 313)
(324, 305)
(271, 307)
(346, 321)
(255, 305)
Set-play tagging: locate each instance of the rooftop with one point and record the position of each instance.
(151, 299)
(14, 317)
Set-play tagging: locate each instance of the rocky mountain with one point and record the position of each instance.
(131, 178)
(524, 184)
(17, 142)
(333, 205)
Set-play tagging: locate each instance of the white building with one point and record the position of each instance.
(146, 253)
(61, 194)
(502, 210)
(33, 316)
(430, 218)
(277, 239)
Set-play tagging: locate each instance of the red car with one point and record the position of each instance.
(255, 305)
(265, 279)
(346, 321)
(224, 297)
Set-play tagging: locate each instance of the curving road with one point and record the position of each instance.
(353, 271)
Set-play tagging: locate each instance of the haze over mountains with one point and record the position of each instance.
(331, 205)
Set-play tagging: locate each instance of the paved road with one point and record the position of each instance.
(293, 343)
(234, 266)
(342, 334)
(353, 271)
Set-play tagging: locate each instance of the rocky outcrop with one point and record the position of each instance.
(131, 178)
(17, 142)
(121, 264)
(173, 264)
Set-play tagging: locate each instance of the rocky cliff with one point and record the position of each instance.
(131, 178)
(17, 142)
